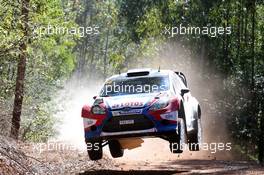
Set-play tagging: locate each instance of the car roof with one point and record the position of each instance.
(136, 73)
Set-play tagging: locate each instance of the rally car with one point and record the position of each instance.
(142, 103)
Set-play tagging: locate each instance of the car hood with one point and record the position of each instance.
(130, 101)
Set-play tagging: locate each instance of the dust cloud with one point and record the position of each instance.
(70, 100)
(174, 57)
(205, 84)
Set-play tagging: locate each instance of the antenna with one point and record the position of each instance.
(159, 69)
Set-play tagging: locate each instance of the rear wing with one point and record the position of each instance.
(138, 72)
(182, 76)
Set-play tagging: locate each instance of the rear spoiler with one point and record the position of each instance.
(138, 72)
(182, 76)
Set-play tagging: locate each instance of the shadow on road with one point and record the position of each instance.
(132, 172)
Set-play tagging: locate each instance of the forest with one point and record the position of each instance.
(44, 44)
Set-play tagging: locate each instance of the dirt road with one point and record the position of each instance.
(181, 167)
(154, 158)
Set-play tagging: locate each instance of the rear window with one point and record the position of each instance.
(135, 85)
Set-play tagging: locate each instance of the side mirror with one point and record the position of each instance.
(184, 91)
(94, 97)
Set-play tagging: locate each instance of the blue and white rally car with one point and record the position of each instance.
(142, 103)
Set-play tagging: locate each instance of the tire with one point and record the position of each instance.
(195, 139)
(115, 148)
(178, 141)
(96, 153)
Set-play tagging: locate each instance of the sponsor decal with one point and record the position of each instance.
(127, 104)
(127, 112)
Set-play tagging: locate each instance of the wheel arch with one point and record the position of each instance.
(182, 114)
(199, 112)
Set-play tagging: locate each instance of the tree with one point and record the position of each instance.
(21, 70)
(44, 61)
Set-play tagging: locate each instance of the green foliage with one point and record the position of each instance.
(129, 31)
(38, 125)
(50, 61)
(117, 61)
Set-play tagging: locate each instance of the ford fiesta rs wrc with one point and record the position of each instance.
(142, 103)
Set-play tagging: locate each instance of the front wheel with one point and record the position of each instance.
(115, 148)
(94, 149)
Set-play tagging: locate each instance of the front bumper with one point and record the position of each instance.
(164, 135)
(161, 131)
(145, 124)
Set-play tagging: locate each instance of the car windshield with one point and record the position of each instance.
(135, 86)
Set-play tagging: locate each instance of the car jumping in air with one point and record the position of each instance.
(142, 103)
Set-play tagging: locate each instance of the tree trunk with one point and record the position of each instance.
(246, 26)
(21, 69)
(105, 53)
(202, 54)
(240, 8)
(261, 139)
(253, 44)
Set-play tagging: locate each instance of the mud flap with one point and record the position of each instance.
(177, 143)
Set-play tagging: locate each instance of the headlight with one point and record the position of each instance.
(160, 104)
(87, 122)
(98, 110)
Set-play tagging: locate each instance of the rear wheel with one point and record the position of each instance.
(95, 149)
(115, 148)
(178, 141)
